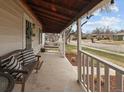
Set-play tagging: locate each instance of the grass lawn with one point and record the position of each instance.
(117, 59)
(71, 49)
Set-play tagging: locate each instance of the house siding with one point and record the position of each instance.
(12, 27)
(118, 37)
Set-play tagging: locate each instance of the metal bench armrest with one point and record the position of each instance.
(18, 71)
(38, 57)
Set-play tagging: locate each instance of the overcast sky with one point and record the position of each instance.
(113, 19)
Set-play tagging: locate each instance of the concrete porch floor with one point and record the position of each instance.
(55, 75)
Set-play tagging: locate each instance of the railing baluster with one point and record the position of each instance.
(83, 68)
(107, 66)
(79, 67)
(107, 79)
(81, 63)
(98, 77)
(119, 82)
(87, 72)
(92, 75)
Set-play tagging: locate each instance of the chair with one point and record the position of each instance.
(6, 82)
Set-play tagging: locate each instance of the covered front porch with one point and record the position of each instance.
(56, 74)
(34, 19)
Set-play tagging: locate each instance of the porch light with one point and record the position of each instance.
(112, 2)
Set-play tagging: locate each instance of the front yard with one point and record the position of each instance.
(111, 42)
(117, 59)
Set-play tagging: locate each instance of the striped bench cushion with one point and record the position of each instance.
(28, 56)
(4, 62)
(19, 57)
(11, 63)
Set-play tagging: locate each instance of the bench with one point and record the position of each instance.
(28, 62)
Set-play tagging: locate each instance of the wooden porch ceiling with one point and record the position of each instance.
(56, 15)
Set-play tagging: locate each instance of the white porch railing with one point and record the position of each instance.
(88, 74)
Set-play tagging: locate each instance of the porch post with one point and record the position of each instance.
(43, 40)
(79, 48)
(60, 44)
(64, 43)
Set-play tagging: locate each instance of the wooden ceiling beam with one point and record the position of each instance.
(49, 4)
(50, 17)
(40, 9)
(47, 24)
(51, 29)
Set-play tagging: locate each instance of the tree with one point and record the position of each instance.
(67, 34)
(103, 33)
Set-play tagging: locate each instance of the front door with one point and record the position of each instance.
(28, 35)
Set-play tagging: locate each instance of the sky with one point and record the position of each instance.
(113, 19)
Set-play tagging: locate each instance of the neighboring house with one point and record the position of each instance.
(102, 36)
(73, 36)
(119, 36)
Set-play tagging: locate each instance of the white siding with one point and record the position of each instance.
(12, 27)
